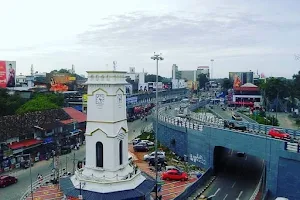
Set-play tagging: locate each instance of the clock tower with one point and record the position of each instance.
(107, 170)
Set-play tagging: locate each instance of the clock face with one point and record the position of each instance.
(120, 99)
(99, 99)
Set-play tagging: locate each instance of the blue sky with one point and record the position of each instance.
(240, 35)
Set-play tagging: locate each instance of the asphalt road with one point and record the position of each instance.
(14, 192)
(238, 179)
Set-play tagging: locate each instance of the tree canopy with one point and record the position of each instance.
(66, 71)
(9, 103)
(42, 102)
(202, 79)
(226, 84)
(152, 78)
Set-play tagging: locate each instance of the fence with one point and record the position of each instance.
(193, 187)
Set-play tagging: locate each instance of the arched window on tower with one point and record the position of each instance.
(121, 152)
(99, 154)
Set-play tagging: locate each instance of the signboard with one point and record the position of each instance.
(60, 82)
(7, 74)
(143, 87)
(128, 89)
(240, 78)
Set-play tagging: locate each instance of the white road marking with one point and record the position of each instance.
(217, 191)
(233, 184)
(225, 197)
(241, 192)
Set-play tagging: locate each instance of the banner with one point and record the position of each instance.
(240, 78)
(2, 74)
(61, 82)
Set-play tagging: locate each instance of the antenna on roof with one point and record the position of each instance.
(115, 65)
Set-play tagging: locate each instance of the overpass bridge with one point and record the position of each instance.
(200, 141)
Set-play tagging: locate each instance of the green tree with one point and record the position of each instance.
(39, 103)
(152, 78)
(296, 85)
(9, 103)
(226, 84)
(65, 71)
(202, 79)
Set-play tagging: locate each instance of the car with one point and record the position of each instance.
(173, 168)
(237, 117)
(281, 198)
(234, 125)
(149, 143)
(140, 148)
(7, 180)
(224, 108)
(279, 133)
(160, 161)
(174, 175)
(160, 154)
(136, 141)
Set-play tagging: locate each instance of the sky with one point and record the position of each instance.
(240, 35)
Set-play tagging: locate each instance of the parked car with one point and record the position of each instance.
(7, 180)
(174, 175)
(149, 143)
(173, 168)
(140, 148)
(160, 161)
(279, 133)
(160, 154)
(234, 125)
(136, 141)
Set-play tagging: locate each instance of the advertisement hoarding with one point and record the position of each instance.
(143, 87)
(192, 85)
(174, 83)
(60, 82)
(128, 89)
(182, 83)
(7, 74)
(152, 86)
(240, 78)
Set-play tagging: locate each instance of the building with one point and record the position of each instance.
(189, 75)
(246, 95)
(108, 173)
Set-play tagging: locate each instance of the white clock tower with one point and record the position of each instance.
(107, 168)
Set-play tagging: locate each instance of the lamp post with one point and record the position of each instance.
(31, 189)
(212, 65)
(156, 57)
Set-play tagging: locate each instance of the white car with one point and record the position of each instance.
(149, 143)
(160, 154)
(136, 140)
(281, 198)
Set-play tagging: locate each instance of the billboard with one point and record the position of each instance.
(128, 89)
(60, 82)
(152, 86)
(7, 74)
(143, 87)
(174, 83)
(182, 83)
(192, 85)
(240, 78)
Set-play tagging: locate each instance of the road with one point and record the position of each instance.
(284, 120)
(14, 192)
(238, 179)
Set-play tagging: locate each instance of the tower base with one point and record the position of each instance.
(142, 191)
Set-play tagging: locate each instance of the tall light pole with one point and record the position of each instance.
(156, 57)
(211, 68)
(31, 188)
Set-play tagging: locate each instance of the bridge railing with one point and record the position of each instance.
(256, 191)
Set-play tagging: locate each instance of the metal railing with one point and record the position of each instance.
(37, 184)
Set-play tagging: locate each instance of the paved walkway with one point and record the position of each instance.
(50, 192)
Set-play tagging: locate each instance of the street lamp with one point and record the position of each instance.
(31, 189)
(156, 57)
(212, 64)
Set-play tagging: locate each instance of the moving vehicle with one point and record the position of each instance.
(234, 125)
(174, 175)
(140, 147)
(160, 154)
(7, 180)
(236, 117)
(279, 133)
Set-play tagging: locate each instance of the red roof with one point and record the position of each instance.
(24, 144)
(75, 115)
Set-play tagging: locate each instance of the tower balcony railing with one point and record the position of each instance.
(107, 179)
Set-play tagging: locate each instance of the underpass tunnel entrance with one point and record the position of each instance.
(239, 166)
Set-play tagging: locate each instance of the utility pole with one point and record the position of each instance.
(74, 163)
(156, 57)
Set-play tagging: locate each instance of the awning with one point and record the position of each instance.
(25, 144)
